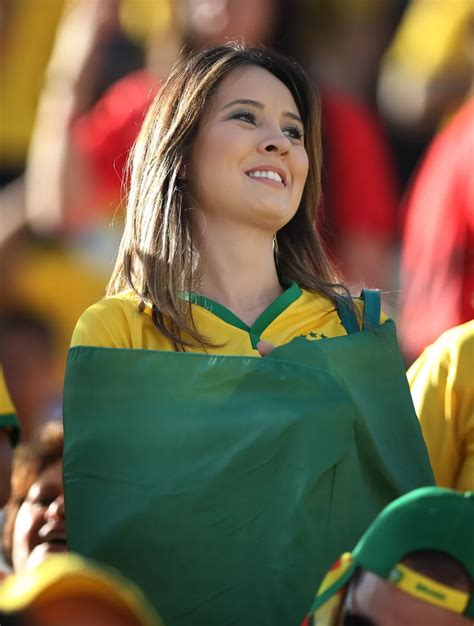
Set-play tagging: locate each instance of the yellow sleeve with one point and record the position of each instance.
(8, 418)
(104, 325)
(443, 394)
(6, 405)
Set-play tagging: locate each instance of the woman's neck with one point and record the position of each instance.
(238, 270)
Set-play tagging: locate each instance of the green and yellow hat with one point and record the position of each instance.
(430, 518)
(66, 575)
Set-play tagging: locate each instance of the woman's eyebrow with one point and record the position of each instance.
(293, 116)
(260, 105)
(254, 103)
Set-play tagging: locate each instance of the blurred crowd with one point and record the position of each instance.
(395, 79)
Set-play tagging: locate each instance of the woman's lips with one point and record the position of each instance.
(268, 181)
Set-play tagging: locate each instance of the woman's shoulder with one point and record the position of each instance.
(108, 323)
(326, 309)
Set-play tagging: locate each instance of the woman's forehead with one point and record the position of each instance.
(52, 473)
(252, 82)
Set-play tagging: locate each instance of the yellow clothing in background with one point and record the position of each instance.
(142, 19)
(8, 418)
(56, 285)
(432, 34)
(6, 405)
(116, 322)
(442, 386)
(27, 40)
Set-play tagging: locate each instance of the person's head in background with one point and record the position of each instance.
(27, 352)
(413, 566)
(34, 514)
(67, 590)
(374, 601)
(340, 43)
(196, 24)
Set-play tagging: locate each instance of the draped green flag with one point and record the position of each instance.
(226, 486)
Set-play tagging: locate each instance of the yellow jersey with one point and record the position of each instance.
(6, 405)
(116, 322)
(442, 387)
(8, 419)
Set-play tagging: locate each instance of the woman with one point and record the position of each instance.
(34, 515)
(223, 482)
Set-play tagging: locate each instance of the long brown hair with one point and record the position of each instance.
(157, 258)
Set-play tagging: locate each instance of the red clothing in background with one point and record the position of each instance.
(438, 245)
(360, 186)
(105, 134)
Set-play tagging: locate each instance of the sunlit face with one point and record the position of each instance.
(39, 526)
(376, 602)
(248, 163)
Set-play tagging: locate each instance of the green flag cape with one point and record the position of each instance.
(225, 486)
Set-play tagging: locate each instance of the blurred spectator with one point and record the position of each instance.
(27, 32)
(30, 366)
(361, 190)
(69, 83)
(442, 386)
(34, 515)
(343, 42)
(8, 435)
(52, 280)
(360, 193)
(437, 269)
(425, 75)
(67, 590)
(427, 71)
(407, 568)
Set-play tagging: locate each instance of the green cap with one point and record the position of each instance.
(430, 518)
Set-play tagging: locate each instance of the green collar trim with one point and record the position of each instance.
(291, 293)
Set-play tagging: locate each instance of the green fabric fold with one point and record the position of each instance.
(226, 486)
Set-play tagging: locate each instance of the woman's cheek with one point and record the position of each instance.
(24, 533)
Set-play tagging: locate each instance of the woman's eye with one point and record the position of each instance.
(245, 116)
(293, 132)
(43, 501)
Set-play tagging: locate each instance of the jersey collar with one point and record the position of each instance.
(292, 292)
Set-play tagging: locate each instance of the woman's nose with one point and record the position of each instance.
(56, 509)
(275, 142)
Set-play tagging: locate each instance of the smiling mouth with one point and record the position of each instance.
(272, 179)
(55, 545)
(55, 539)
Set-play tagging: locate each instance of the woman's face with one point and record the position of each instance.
(39, 528)
(248, 163)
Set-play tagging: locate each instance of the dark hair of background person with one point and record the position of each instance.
(157, 258)
(29, 461)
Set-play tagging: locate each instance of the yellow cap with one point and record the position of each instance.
(66, 575)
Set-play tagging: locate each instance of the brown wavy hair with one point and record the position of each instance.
(157, 257)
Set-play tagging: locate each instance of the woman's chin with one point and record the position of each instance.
(273, 217)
